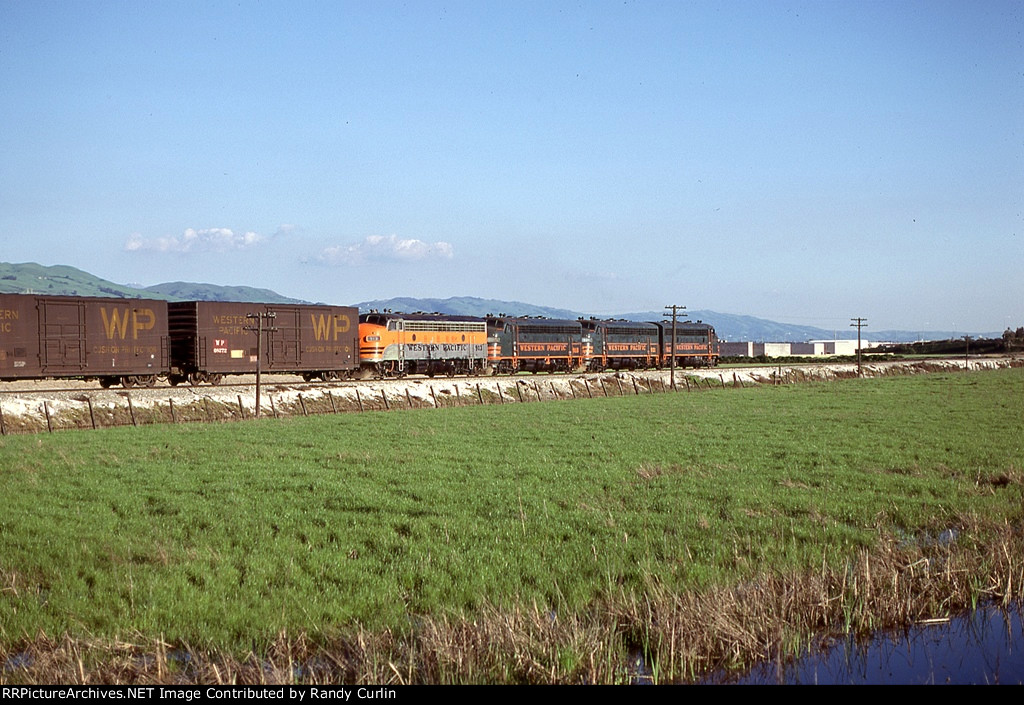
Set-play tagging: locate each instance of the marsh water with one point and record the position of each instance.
(983, 647)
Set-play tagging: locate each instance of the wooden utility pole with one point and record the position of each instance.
(859, 323)
(672, 346)
(259, 330)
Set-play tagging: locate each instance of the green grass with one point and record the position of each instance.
(223, 535)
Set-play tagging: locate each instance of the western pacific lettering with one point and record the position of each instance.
(118, 322)
(329, 327)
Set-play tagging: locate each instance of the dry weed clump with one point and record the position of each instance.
(651, 635)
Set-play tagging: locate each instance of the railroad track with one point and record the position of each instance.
(296, 384)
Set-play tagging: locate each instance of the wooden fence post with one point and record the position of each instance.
(131, 408)
(92, 416)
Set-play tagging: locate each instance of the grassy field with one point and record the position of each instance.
(221, 538)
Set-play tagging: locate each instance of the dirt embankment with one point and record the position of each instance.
(39, 406)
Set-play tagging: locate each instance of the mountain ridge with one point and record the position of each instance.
(30, 277)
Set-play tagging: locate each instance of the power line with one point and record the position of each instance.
(672, 349)
(859, 323)
(259, 329)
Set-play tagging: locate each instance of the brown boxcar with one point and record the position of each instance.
(117, 341)
(210, 339)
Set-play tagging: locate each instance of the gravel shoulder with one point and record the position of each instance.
(24, 405)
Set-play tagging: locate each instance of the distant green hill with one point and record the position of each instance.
(192, 291)
(60, 280)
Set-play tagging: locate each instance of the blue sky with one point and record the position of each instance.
(801, 161)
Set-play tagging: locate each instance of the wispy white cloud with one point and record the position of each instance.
(192, 240)
(383, 248)
(593, 276)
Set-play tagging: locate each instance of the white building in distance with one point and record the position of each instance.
(820, 348)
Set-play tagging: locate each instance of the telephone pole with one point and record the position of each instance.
(672, 346)
(259, 330)
(859, 323)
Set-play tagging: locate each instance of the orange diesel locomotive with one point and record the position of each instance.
(396, 344)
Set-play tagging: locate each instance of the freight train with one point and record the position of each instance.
(393, 344)
(135, 342)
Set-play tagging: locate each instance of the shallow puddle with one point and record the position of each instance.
(983, 647)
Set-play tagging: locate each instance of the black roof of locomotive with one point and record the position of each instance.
(535, 321)
(418, 316)
(595, 323)
(686, 325)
